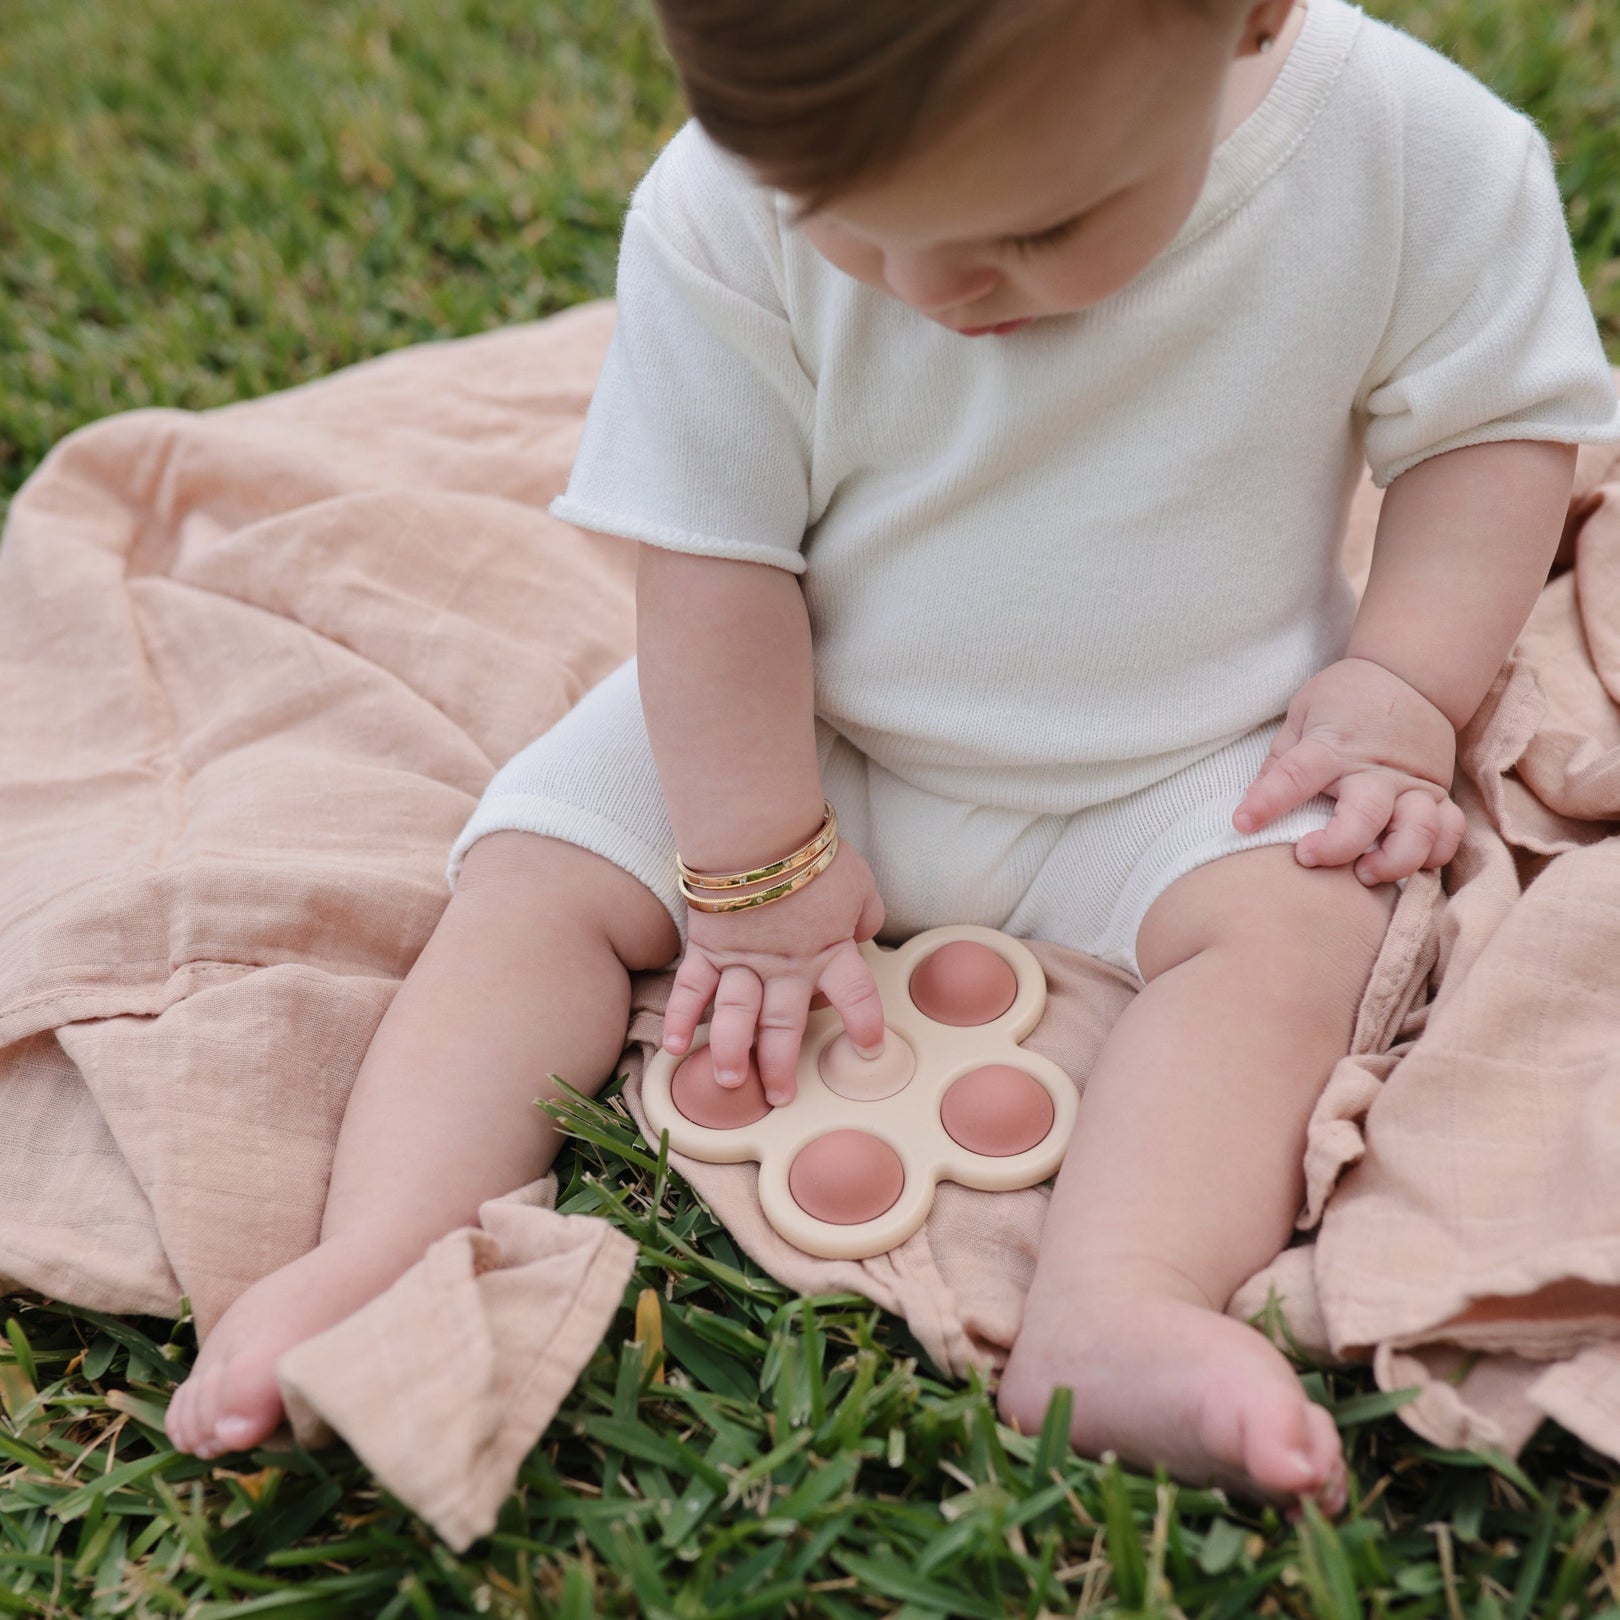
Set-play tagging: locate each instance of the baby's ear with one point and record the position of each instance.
(1264, 23)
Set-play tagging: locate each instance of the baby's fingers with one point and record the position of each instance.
(782, 1018)
(1414, 824)
(731, 1031)
(1286, 781)
(1453, 826)
(1421, 833)
(851, 989)
(696, 980)
(1365, 804)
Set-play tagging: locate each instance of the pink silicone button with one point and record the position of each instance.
(697, 1094)
(963, 983)
(846, 1177)
(997, 1111)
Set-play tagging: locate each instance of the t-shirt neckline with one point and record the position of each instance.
(1263, 142)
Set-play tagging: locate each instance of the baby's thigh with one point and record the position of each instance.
(1302, 937)
(513, 882)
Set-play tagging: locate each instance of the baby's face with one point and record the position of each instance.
(1056, 194)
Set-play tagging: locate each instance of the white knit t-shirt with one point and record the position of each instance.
(1048, 568)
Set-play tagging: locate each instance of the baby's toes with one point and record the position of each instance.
(192, 1430)
(1328, 1450)
(250, 1404)
(1281, 1453)
(205, 1408)
(177, 1421)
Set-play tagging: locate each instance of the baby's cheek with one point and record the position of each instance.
(858, 259)
(1082, 277)
(1106, 258)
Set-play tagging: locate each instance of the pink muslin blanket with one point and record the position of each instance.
(259, 663)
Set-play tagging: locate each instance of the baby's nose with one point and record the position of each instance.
(933, 283)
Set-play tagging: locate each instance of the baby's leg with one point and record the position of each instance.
(526, 975)
(1184, 1177)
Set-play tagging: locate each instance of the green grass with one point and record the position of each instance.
(200, 202)
(732, 1450)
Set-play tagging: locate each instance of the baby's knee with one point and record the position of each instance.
(1310, 933)
(557, 885)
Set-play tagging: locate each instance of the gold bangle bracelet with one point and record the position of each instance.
(823, 836)
(764, 897)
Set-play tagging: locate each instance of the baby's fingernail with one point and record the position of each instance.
(674, 1043)
(776, 1099)
(870, 1053)
(727, 1077)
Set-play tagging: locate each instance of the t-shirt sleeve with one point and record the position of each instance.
(1490, 335)
(698, 434)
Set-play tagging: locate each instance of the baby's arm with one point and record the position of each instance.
(1464, 543)
(727, 688)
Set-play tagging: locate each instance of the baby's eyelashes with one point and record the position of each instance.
(1049, 238)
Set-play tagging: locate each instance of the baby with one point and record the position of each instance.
(990, 384)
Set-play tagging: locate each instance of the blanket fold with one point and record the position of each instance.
(259, 664)
(445, 1380)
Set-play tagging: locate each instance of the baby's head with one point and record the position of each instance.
(983, 160)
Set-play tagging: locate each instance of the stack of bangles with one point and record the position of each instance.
(711, 891)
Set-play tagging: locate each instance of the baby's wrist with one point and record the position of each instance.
(1435, 701)
(736, 837)
(746, 888)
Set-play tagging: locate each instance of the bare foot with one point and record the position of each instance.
(1158, 1380)
(231, 1400)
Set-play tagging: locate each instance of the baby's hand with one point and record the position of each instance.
(760, 968)
(1365, 737)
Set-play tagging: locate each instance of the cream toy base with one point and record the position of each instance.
(848, 1168)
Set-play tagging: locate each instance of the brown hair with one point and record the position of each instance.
(817, 94)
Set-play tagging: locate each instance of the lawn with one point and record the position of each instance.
(200, 202)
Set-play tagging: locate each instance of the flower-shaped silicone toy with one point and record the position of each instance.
(848, 1168)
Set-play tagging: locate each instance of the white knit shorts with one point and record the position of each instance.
(1084, 880)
